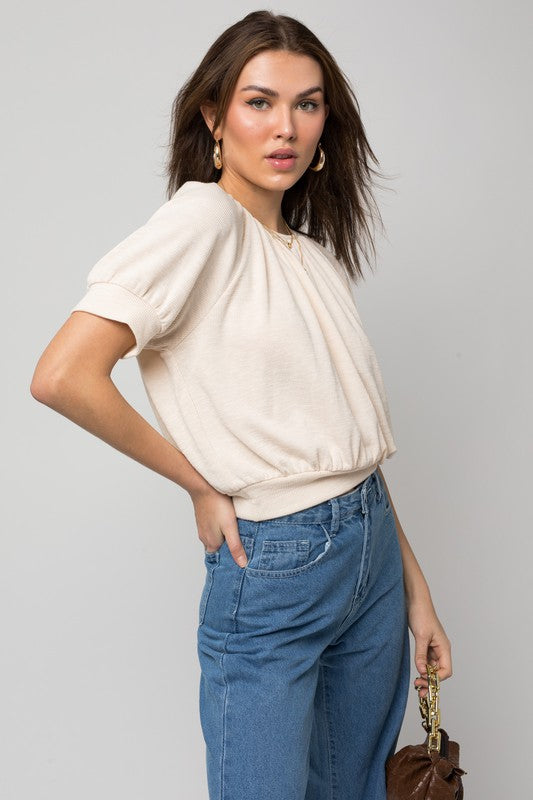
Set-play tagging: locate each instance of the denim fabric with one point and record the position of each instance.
(304, 653)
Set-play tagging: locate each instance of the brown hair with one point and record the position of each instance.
(336, 203)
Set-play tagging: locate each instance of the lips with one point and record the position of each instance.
(285, 152)
(283, 159)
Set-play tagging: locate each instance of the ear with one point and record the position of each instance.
(326, 109)
(208, 113)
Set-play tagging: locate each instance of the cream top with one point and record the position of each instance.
(257, 370)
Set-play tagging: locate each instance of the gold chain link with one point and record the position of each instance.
(429, 709)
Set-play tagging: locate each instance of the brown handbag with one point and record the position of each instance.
(427, 771)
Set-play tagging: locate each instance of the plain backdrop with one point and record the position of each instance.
(101, 568)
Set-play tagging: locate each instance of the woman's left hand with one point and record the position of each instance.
(432, 646)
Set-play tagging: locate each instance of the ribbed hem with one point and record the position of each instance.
(290, 493)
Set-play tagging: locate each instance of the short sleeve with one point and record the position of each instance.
(149, 277)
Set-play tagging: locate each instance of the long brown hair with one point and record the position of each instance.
(335, 204)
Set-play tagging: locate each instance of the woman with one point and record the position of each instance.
(273, 415)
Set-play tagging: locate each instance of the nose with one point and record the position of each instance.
(284, 125)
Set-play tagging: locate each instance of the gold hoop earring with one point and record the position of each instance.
(217, 156)
(321, 160)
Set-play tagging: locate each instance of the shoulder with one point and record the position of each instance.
(200, 208)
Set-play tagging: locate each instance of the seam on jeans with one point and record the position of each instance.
(332, 783)
(364, 568)
(208, 585)
(249, 545)
(364, 559)
(237, 591)
(224, 714)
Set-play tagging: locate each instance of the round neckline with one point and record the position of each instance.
(286, 236)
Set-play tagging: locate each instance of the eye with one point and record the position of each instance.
(256, 100)
(310, 103)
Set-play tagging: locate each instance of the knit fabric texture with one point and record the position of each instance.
(257, 370)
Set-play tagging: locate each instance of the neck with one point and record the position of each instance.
(263, 204)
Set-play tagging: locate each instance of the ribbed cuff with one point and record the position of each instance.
(112, 301)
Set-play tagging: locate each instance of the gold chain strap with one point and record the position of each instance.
(429, 709)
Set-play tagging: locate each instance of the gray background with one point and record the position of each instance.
(101, 567)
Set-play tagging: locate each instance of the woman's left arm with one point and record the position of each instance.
(431, 643)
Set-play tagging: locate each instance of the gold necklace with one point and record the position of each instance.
(289, 243)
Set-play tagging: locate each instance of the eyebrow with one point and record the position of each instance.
(272, 93)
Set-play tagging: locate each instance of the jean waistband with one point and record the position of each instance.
(336, 508)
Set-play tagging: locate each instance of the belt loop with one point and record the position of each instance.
(364, 503)
(367, 483)
(335, 515)
(379, 484)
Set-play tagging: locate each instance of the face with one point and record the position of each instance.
(284, 108)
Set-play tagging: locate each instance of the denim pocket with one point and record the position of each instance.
(282, 550)
(210, 562)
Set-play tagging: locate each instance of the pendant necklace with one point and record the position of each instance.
(289, 243)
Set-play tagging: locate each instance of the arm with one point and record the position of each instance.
(73, 377)
(431, 643)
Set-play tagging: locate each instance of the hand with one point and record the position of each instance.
(216, 522)
(432, 646)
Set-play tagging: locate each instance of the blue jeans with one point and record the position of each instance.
(304, 653)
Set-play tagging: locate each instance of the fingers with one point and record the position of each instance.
(235, 547)
(215, 517)
(421, 685)
(444, 670)
(445, 661)
(422, 653)
(440, 656)
(434, 649)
